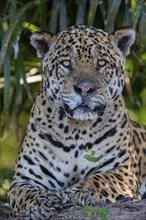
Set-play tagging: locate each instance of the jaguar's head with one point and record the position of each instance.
(83, 68)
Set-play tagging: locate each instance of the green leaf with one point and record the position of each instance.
(38, 11)
(142, 26)
(103, 9)
(63, 15)
(6, 209)
(87, 149)
(81, 12)
(11, 29)
(30, 27)
(92, 11)
(4, 117)
(7, 83)
(91, 157)
(138, 8)
(111, 18)
(54, 17)
(90, 208)
(127, 14)
(93, 153)
(102, 212)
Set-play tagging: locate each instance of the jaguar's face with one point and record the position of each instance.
(83, 71)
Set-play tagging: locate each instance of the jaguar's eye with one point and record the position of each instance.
(66, 64)
(101, 63)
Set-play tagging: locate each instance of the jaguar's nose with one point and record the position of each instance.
(85, 88)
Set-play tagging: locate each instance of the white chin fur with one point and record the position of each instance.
(79, 114)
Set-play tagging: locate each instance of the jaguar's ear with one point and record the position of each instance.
(124, 39)
(42, 41)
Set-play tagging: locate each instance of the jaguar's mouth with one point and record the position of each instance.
(83, 106)
(84, 111)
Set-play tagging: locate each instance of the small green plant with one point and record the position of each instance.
(91, 157)
(101, 212)
(5, 209)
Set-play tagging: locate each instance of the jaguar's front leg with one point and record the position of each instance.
(102, 186)
(33, 203)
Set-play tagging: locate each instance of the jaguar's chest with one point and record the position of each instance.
(75, 154)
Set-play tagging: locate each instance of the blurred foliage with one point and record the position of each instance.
(5, 179)
(20, 70)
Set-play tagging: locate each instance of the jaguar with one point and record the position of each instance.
(79, 111)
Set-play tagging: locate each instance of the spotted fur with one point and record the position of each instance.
(79, 107)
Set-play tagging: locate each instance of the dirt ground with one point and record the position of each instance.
(121, 210)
